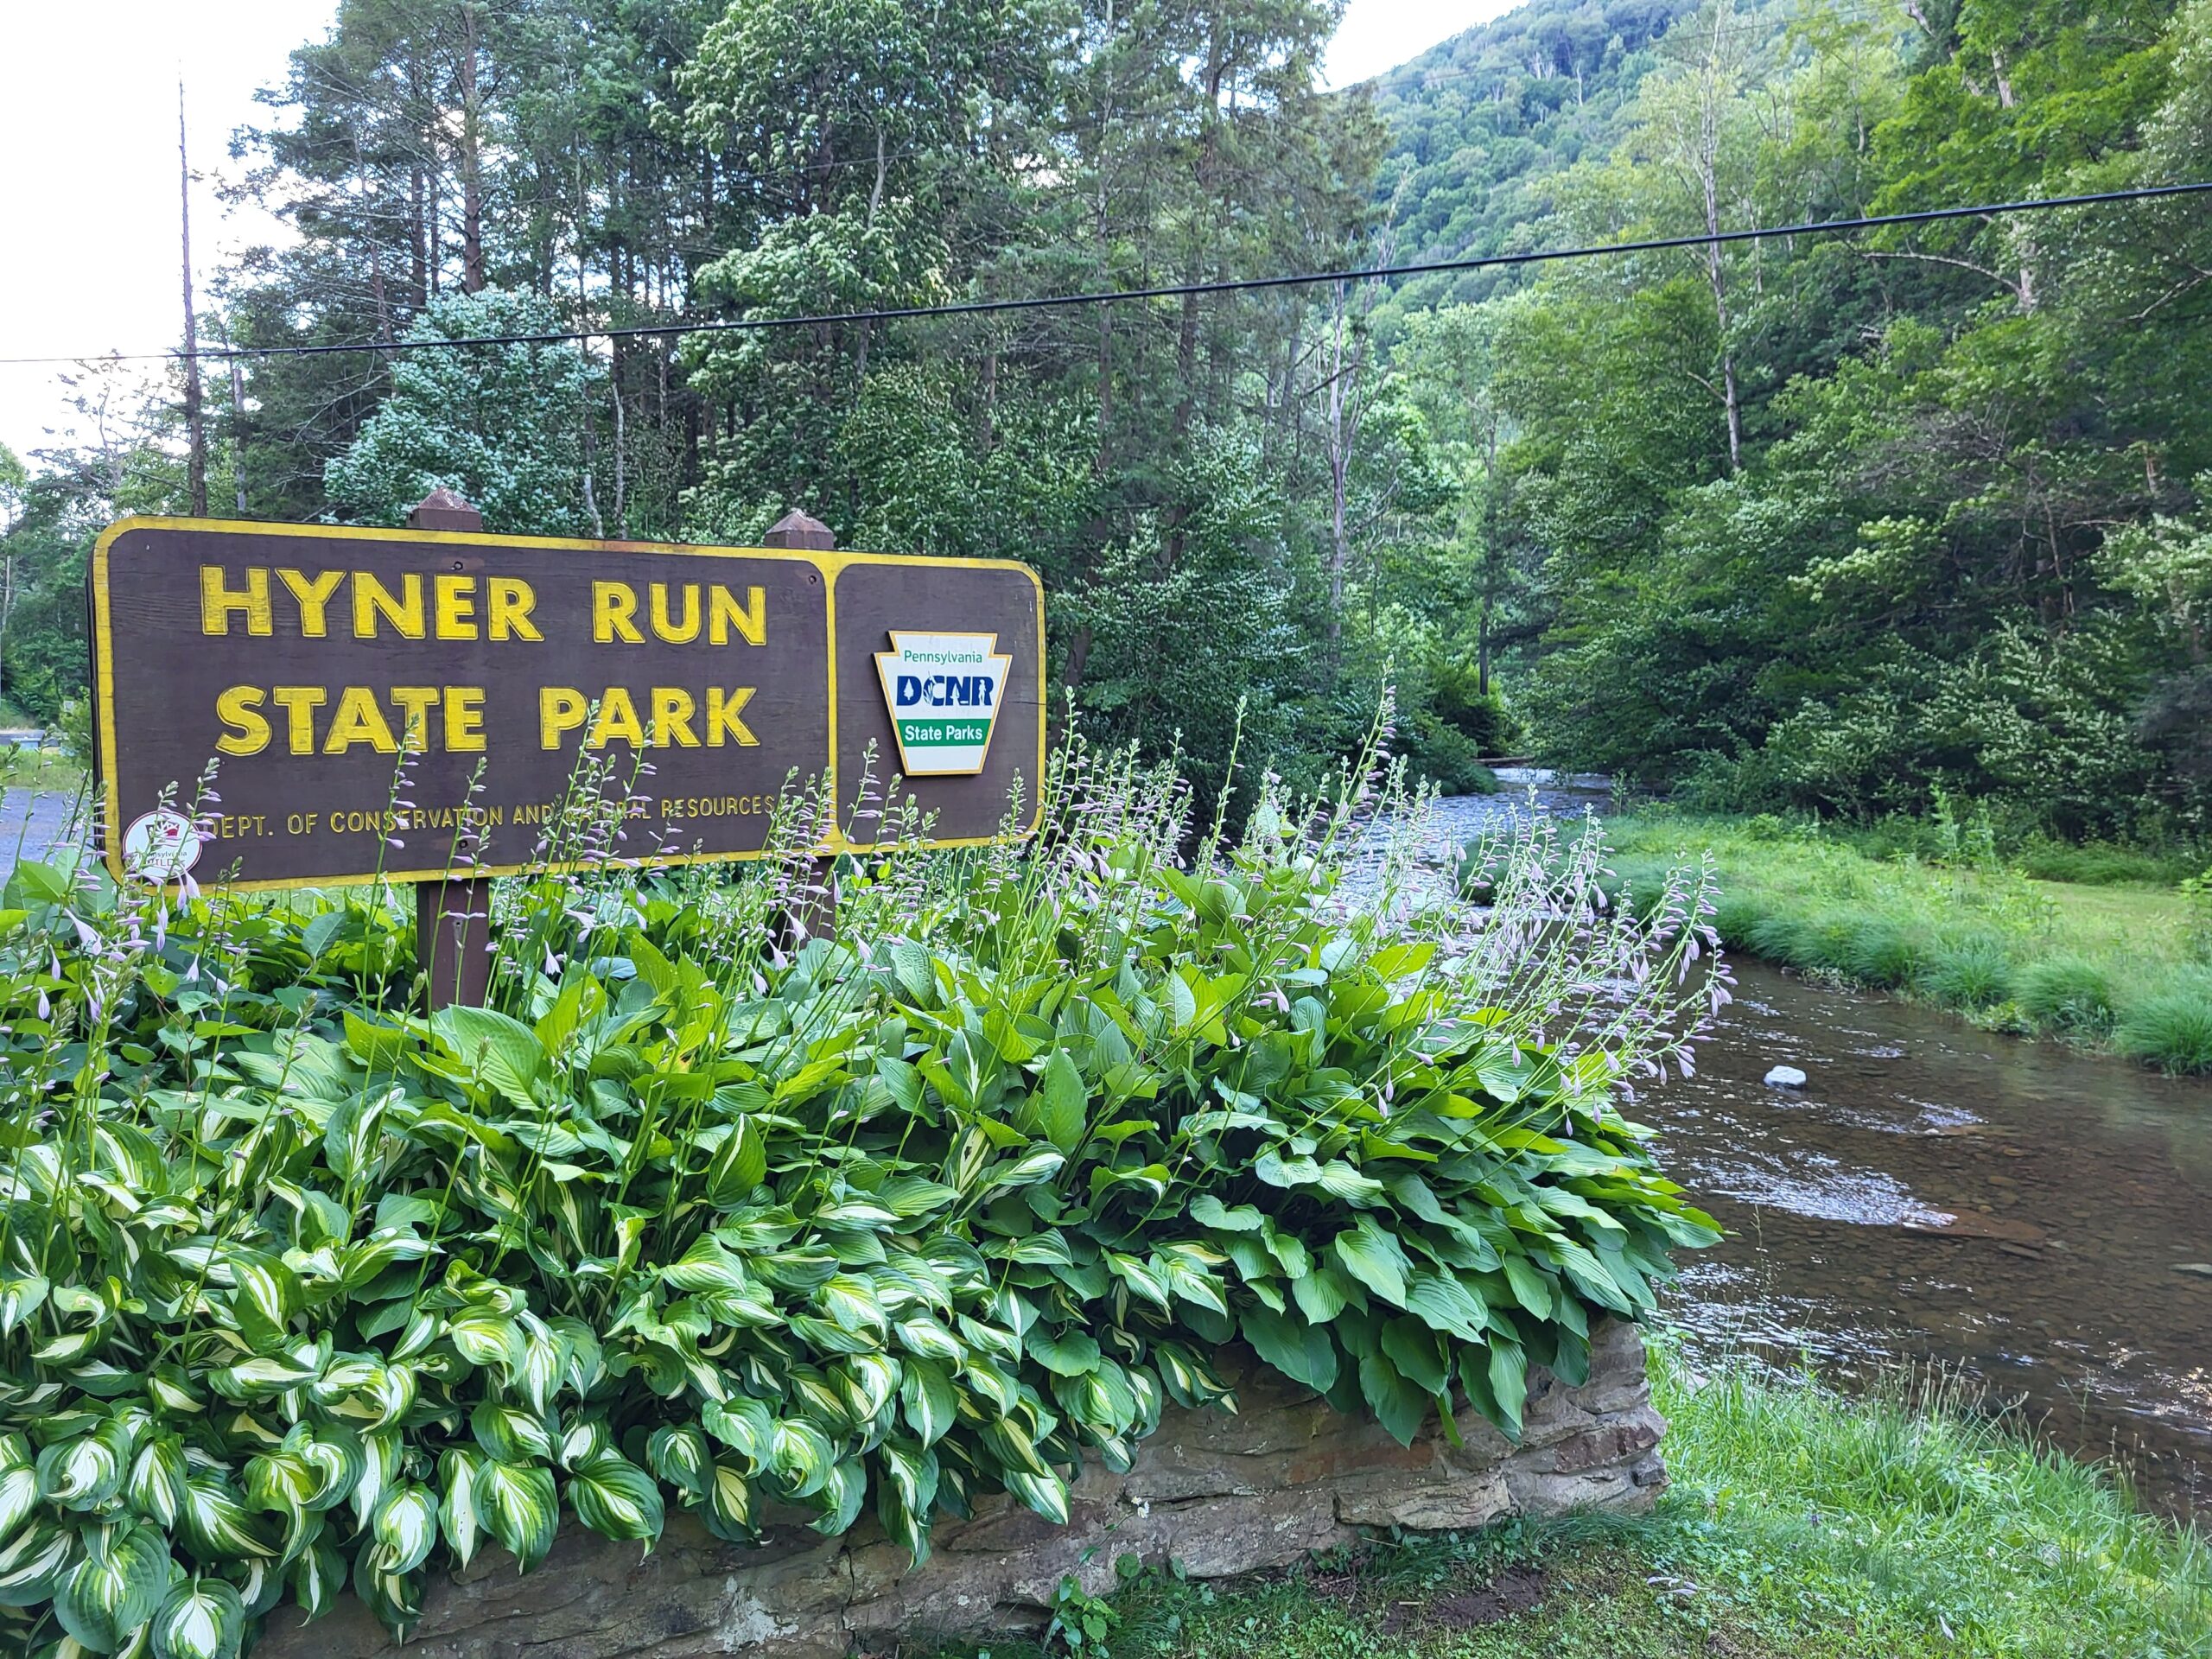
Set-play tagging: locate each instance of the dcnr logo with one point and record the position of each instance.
(942, 690)
(945, 691)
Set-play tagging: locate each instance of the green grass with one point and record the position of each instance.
(2113, 964)
(1800, 1525)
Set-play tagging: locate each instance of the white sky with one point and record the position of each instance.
(88, 173)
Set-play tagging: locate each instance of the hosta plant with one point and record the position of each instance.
(304, 1290)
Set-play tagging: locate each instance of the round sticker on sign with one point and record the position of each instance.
(160, 846)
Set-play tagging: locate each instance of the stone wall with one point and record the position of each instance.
(1221, 1493)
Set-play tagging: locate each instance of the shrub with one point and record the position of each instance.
(2066, 994)
(2172, 1028)
(1972, 973)
(301, 1288)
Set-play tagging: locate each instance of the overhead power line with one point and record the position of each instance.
(1177, 291)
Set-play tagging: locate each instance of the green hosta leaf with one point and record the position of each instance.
(1209, 1212)
(1446, 1305)
(1320, 1295)
(1417, 1352)
(202, 1618)
(520, 1507)
(493, 1048)
(1373, 1257)
(1509, 1382)
(117, 1586)
(616, 1499)
(405, 1526)
(1532, 1288)
(1059, 1108)
(32, 1563)
(1065, 1353)
(927, 1399)
(1140, 1277)
(1399, 1405)
(457, 1517)
(1303, 1352)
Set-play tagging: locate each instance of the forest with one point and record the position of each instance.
(1850, 524)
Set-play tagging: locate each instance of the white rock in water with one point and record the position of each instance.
(1786, 1077)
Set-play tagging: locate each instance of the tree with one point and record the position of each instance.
(501, 425)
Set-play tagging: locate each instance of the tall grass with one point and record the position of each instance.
(2112, 967)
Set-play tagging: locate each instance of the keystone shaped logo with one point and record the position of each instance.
(942, 690)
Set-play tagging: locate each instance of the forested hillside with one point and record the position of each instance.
(1482, 125)
(1832, 523)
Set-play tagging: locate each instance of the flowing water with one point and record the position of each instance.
(2036, 1222)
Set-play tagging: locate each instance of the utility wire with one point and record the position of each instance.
(1179, 290)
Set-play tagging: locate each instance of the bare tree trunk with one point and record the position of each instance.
(1339, 471)
(238, 438)
(874, 201)
(472, 158)
(195, 426)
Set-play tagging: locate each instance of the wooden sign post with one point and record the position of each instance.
(419, 705)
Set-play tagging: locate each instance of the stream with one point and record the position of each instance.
(2035, 1223)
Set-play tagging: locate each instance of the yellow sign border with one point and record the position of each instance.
(827, 562)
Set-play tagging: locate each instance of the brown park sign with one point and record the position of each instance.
(309, 660)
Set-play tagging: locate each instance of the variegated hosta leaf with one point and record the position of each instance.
(405, 1527)
(20, 1298)
(202, 1618)
(395, 1597)
(616, 1499)
(728, 1508)
(32, 1563)
(743, 1424)
(871, 1382)
(171, 1388)
(484, 1339)
(534, 1372)
(457, 1514)
(264, 1376)
(581, 1440)
(801, 1457)
(1047, 1494)
(334, 1453)
(155, 1485)
(582, 1356)
(217, 1524)
(380, 1456)
(517, 1506)
(841, 1498)
(510, 1434)
(927, 1399)
(84, 1473)
(266, 1295)
(681, 1457)
(260, 1581)
(317, 1579)
(116, 1587)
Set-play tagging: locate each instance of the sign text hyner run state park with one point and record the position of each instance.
(308, 660)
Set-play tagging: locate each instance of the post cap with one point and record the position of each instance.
(443, 510)
(796, 530)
